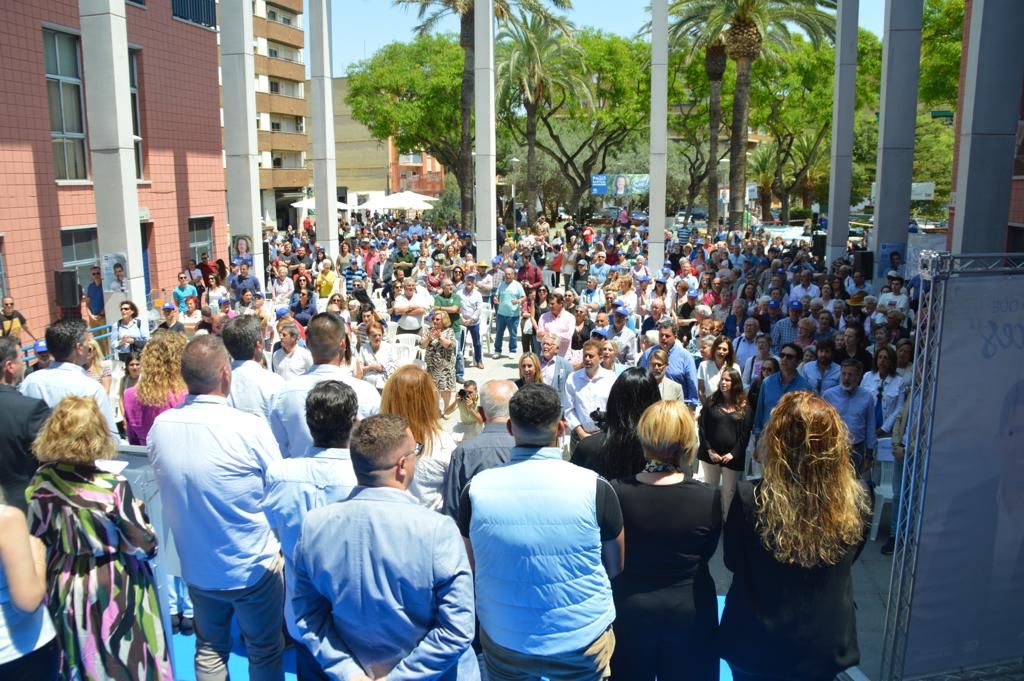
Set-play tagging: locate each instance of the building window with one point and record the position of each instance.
(202, 12)
(275, 87)
(411, 159)
(200, 237)
(133, 71)
(64, 92)
(300, 124)
(272, 14)
(80, 250)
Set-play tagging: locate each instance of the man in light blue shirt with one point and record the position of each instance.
(600, 269)
(509, 295)
(210, 462)
(823, 374)
(856, 406)
(326, 338)
(383, 585)
(775, 386)
(297, 486)
(65, 340)
(252, 387)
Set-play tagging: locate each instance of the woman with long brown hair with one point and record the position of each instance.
(410, 393)
(790, 541)
(160, 385)
(724, 433)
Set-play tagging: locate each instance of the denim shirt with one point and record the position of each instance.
(295, 487)
(383, 587)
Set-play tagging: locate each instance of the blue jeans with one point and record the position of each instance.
(478, 349)
(506, 322)
(460, 368)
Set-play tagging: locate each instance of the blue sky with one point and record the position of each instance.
(361, 27)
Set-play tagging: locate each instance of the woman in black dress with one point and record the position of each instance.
(666, 611)
(790, 541)
(615, 451)
(724, 427)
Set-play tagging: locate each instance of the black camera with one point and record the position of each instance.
(599, 416)
(463, 394)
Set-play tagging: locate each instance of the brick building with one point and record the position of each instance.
(49, 218)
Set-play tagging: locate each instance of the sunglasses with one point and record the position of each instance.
(789, 355)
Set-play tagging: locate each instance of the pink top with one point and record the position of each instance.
(138, 418)
(563, 326)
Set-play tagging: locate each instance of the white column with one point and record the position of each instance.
(486, 173)
(901, 63)
(112, 147)
(325, 180)
(659, 134)
(238, 68)
(843, 100)
(988, 127)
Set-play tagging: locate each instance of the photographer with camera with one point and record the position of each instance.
(470, 421)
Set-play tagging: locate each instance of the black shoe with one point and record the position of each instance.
(188, 626)
(175, 624)
(889, 546)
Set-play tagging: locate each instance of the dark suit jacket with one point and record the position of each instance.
(20, 420)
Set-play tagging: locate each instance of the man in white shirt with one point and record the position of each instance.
(585, 392)
(895, 296)
(252, 387)
(325, 336)
(65, 340)
(557, 322)
(471, 310)
(806, 287)
(412, 306)
(291, 359)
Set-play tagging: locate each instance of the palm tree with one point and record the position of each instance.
(761, 170)
(430, 12)
(744, 25)
(535, 58)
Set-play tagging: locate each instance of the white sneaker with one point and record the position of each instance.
(496, 355)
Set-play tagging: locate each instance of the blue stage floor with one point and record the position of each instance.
(238, 666)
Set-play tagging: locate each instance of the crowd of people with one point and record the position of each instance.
(331, 486)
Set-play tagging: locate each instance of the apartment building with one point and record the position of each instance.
(368, 168)
(49, 221)
(282, 140)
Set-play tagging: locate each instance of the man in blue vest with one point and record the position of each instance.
(546, 538)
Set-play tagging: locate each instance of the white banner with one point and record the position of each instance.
(968, 589)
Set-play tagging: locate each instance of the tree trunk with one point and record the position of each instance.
(531, 165)
(465, 174)
(784, 211)
(738, 144)
(766, 205)
(715, 114)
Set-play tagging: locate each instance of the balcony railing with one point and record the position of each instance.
(202, 12)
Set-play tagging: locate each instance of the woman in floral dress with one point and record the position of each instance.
(438, 343)
(98, 540)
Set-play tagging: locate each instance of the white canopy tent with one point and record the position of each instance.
(310, 204)
(399, 201)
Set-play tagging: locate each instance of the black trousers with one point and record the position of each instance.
(39, 665)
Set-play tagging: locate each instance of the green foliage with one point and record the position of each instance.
(446, 209)
(410, 91)
(941, 40)
(933, 162)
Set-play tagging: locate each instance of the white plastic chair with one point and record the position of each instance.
(486, 317)
(404, 355)
(884, 465)
(408, 340)
(391, 331)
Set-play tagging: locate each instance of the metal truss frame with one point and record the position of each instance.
(937, 268)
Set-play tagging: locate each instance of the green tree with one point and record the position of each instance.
(933, 162)
(534, 60)
(405, 91)
(582, 136)
(761, 170)
(744, 25)
(430, 12)
(942, 34)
